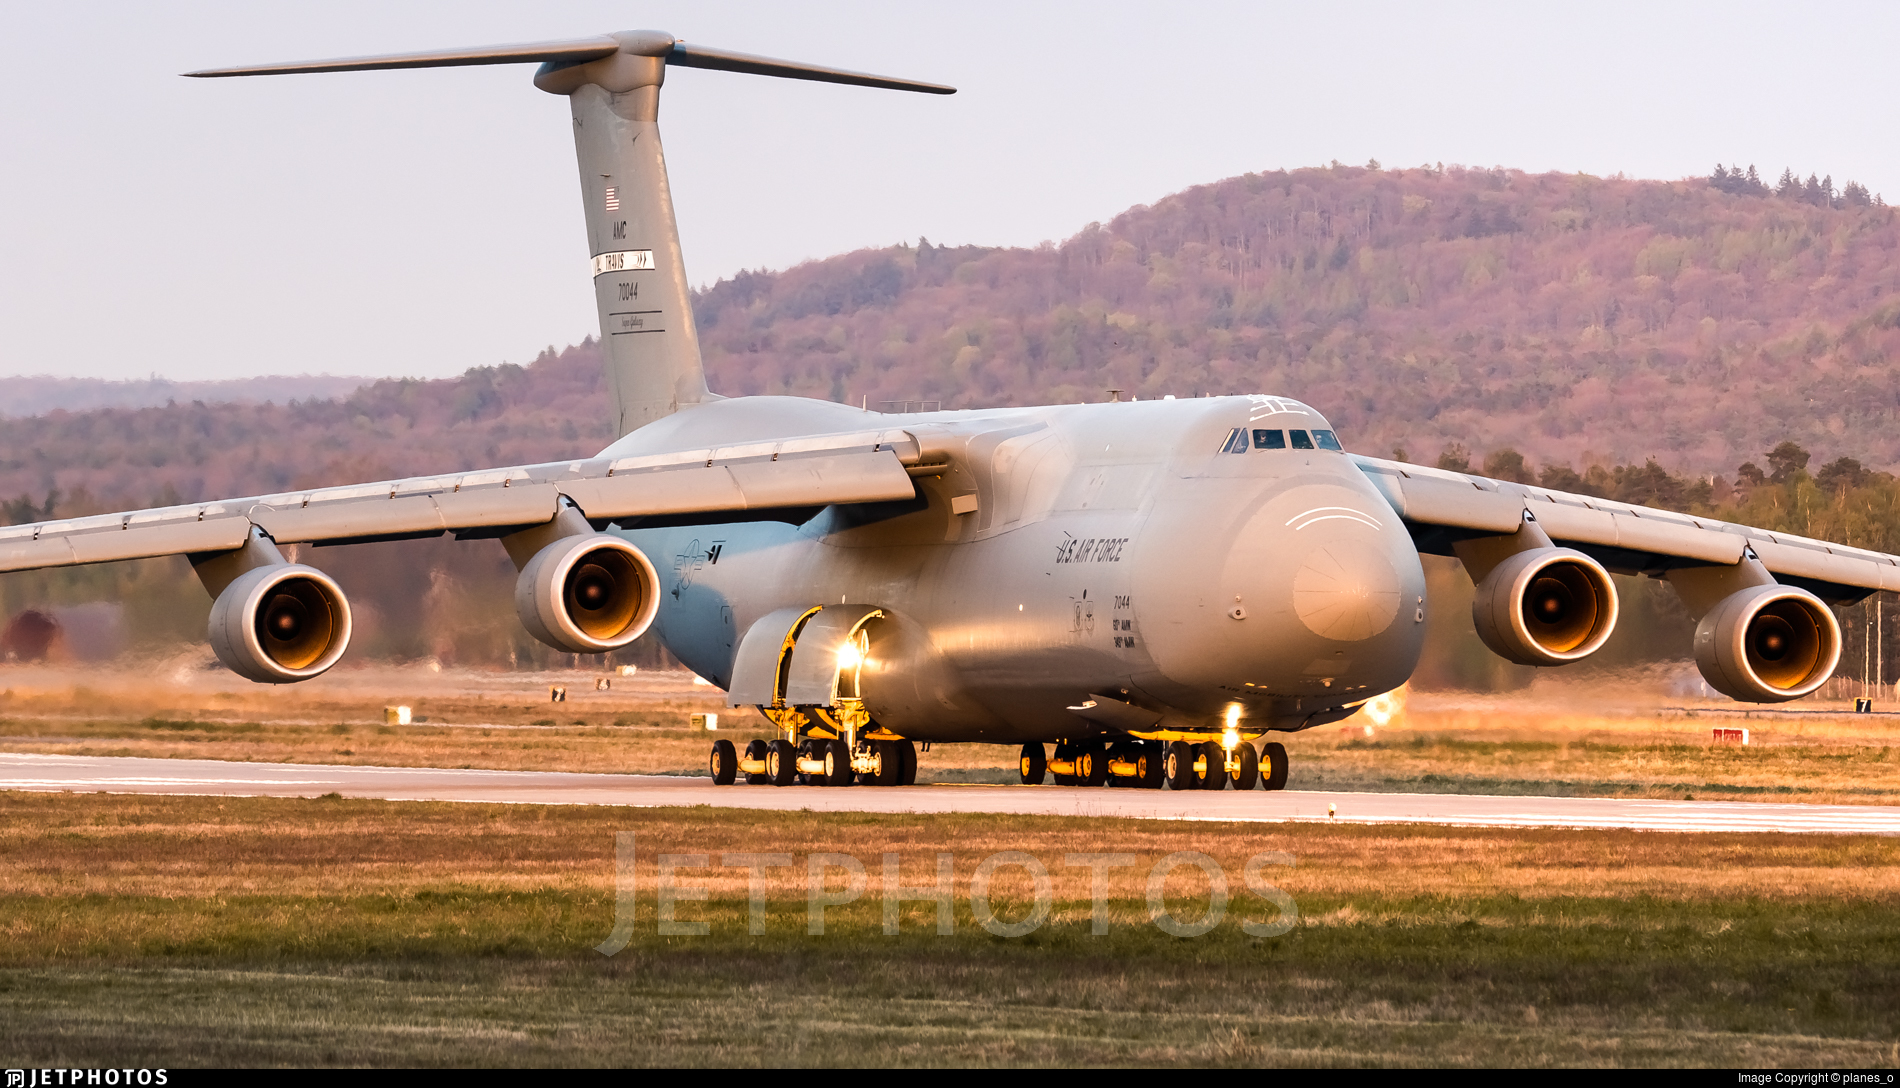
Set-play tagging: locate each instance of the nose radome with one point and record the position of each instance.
(1346, 590)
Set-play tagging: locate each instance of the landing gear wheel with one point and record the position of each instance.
(837, 763)
(724, 763)
(1273, 754)
(906, 763)
(1178, 766)
(1091, 765)
(781, 762)
(1247, 774)
(889, 770)
(1033, 765)
(756, 750)
(807, 749)
(1152, 775)
(1214, 775)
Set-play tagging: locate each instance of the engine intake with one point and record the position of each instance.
(1545, 606)
(1768, 644)
(281, 623)
(587, 594)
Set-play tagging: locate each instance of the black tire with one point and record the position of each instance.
(1032, 765)
(724, 763)
(1273, 774)
(1215, 775)
(890, 769)
(756, 750)
(809, 748)
(837, 764)
(906, 763)
(1178, 766)
(1092, 762)
(1247, 775)
(1153, 775)
(781, 763)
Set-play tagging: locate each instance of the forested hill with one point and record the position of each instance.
(1577, 318)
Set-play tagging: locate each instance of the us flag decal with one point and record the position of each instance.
(613, 199)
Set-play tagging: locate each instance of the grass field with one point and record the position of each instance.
(183, 931)
(1561, 739)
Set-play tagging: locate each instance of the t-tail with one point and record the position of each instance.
(648, 338)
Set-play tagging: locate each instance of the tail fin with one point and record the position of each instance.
(613, 84)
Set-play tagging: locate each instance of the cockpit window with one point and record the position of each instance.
(1327, 440)
(1302, 440)
(1269, 440)
(1236, 441)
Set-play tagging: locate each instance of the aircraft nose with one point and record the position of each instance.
(1323, 578)
(1345, 589)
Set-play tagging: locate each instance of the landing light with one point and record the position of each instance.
(849, 656)
(1382, 709)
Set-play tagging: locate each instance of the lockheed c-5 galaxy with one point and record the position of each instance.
(1152, 586)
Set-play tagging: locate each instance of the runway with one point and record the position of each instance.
(90, 774)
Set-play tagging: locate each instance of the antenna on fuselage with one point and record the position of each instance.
(648, 340)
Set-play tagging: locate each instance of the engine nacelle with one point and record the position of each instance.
(1768, 644)
(1545, 606)
(587, 594)
(281, 623)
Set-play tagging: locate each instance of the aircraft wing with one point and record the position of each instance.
(1441, 507)
(804, 472)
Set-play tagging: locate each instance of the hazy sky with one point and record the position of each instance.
(424, 222)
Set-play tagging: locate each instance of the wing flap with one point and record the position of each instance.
(813, 470)
(1435, 497)
(120, 536)
(394, 510)
(1458, 503)
(1824, 565)
(809, 480)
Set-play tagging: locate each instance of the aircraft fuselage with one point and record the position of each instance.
(1126, 550)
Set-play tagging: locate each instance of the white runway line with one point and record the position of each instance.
(110, 774)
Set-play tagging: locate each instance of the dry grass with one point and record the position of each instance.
(243, 931)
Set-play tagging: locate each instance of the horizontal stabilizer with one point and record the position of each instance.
(698, 56)
(569, 52)
(643, 43)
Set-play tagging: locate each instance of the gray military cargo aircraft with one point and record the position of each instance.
(1152, 586)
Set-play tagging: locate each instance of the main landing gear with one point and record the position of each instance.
(811, 755)
(1208, 765)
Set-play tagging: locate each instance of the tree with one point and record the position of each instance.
(1785, 462)
(1841, 474)
(1560, 478)
(1507, 464)
(1455, 458)
(1750, 475)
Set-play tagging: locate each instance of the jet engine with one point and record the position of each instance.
(1768, 644)
(1545, 606)
(587, 594)
(281, 623)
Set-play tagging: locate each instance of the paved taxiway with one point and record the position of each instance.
(88, 774)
